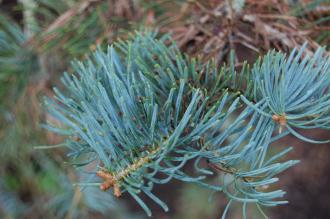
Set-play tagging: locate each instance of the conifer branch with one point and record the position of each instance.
(150, 94)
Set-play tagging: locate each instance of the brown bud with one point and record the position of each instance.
(283, 120)
(280, 119)
(276, 118)
(106, 185)
(104, 175)
(116, 190)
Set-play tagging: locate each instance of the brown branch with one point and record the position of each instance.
(49, 33)
(231, 171)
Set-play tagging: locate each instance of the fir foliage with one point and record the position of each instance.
(141, 110)
(16, 63)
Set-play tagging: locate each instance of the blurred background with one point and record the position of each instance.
(39, 38)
